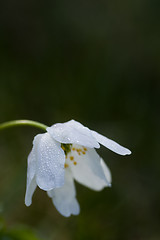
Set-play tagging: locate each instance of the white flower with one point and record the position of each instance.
(64, 153)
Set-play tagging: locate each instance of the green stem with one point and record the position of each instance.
(21, 123)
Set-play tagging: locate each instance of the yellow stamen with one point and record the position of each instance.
(71, 158)
(66, 165)
(75, 163)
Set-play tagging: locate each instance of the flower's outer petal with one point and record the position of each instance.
(110, 144)
(106, 171)
(86, 167)
(64, 198)
(31, 183)
(73, 132)
(29, 192)
(50, 162)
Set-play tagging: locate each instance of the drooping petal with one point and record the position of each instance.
(29, 192)
(73, 132)
(106, 171)
(50, 162)
(31, 183)
(64, 198)
(86, 167)
(110, 144)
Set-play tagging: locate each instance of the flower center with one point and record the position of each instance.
(72, 153)
(66, 148)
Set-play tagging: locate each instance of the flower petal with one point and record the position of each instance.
(50, 162)
(73, 132)
(106, 171)
(31, 183)
(64, 197)
(86, 167)
(29, 192)
(110, 144)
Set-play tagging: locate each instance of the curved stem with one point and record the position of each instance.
(15, 123)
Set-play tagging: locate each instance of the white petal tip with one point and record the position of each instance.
(51, 187)
(110, 144)
(121, 150)
(127, 152)
(28, 203)
(72, 214)
(109, 185)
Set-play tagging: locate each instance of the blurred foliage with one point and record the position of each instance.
(96, 62)
(17, 233)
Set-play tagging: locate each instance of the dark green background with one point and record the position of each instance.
(96, 62)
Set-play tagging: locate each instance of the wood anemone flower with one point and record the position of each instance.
(66, 152)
